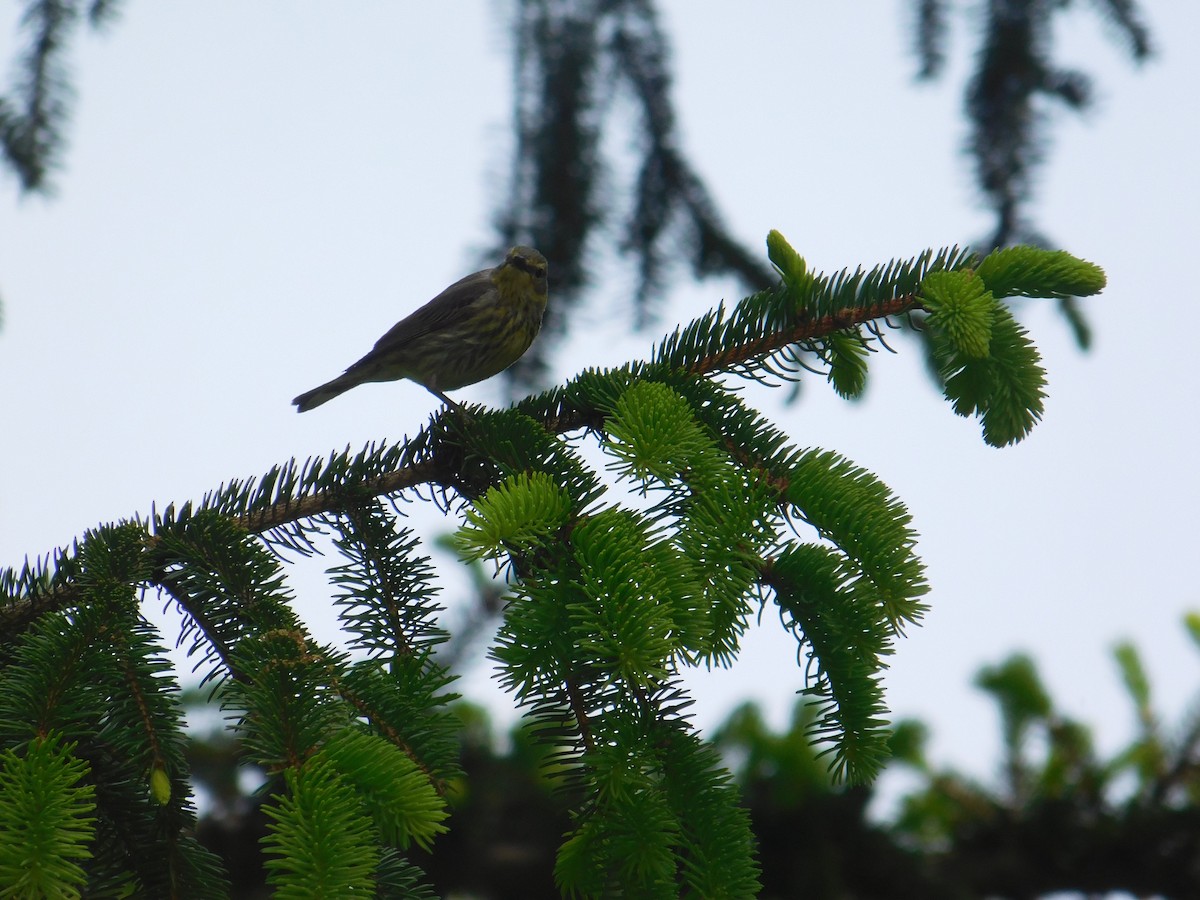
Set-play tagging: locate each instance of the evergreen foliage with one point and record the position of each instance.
(578, 61)
(46, 820)
(573, 61)
(609, 601)
(1061, 817)
(1064, 818)
(34, 115)
(1008, 95)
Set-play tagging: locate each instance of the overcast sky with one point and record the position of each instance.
(253, 193)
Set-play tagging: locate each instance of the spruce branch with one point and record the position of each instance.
(196, 613)
(47, 819)
(751, 351)
(382, 721)
(751, 341)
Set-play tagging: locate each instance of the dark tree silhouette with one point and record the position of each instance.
(573, 59)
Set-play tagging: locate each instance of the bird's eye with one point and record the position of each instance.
(528, 267)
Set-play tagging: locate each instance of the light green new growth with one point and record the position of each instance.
(403, 804)
(962, 308)
(1034, 272)
(319, 843)
(517, 515)
(47, 820)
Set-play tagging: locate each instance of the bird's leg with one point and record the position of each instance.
(445, 399)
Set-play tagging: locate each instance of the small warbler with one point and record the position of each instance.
(472, 330)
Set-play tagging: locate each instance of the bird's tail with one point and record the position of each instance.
(324, 393)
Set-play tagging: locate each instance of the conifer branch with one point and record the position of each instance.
(139, 697)
(179, 594)
(380, 721)
(823, 326)
(838, 304)
(579, 711)
(434, 471)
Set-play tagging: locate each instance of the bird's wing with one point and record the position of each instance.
(443, 309)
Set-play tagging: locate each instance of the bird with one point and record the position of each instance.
(474, 329)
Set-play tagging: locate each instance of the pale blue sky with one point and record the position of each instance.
(253, 193)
